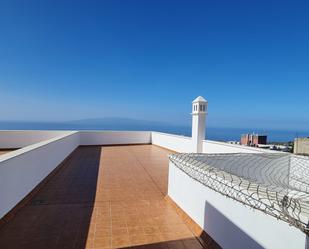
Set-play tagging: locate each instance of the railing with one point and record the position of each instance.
(276, 184)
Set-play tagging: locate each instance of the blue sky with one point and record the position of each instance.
(66, 60)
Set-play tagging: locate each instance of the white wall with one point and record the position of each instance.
(172, 142)
(221, 147)
(114, 137)
(19, 139)
(184, 144)
(41, 152)
(23, 169)
(231, 224)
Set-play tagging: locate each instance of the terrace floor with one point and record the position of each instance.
(102, 197)
(4, 151)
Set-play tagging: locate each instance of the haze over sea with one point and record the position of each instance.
(212, 133)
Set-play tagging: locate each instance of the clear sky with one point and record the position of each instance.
(66, 60)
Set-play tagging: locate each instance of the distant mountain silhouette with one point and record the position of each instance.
(116, 121)
(107, 123)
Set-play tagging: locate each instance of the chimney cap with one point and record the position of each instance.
(199, 99)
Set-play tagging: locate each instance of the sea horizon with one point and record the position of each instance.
(212, 133)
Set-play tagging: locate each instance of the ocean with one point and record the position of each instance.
(212, 133)
(234, 134)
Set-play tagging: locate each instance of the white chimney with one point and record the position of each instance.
(199, 111)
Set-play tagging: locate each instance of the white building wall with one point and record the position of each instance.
(114, 137)
(210, 147)
(172, 142)
(22, 170)
(184, 144)
(231, 224)
(19, 139)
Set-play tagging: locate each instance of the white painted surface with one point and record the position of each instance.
(184, 144)
(23, 169)
(19, 139)
(42, 151)
(172, 142)
(229, 223)
(114, 137)
(210, 147)
(199, 111)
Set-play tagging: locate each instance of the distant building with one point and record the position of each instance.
(253, 139)
(301, 146)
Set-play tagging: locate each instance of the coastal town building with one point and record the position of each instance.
(253, 139)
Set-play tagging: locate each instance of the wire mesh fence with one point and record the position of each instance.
(275, 183)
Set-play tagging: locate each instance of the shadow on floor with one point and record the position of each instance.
(59, 215)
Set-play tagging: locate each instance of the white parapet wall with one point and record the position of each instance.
(172, 142)
(22, 138)
(22, 170)
(42, 151)
(214, 147)
(114, 137)
(231, 224)
(179, 143)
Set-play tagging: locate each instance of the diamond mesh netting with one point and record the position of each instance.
(275, 183)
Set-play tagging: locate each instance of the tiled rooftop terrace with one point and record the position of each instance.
(102, 197)
(4, 151)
